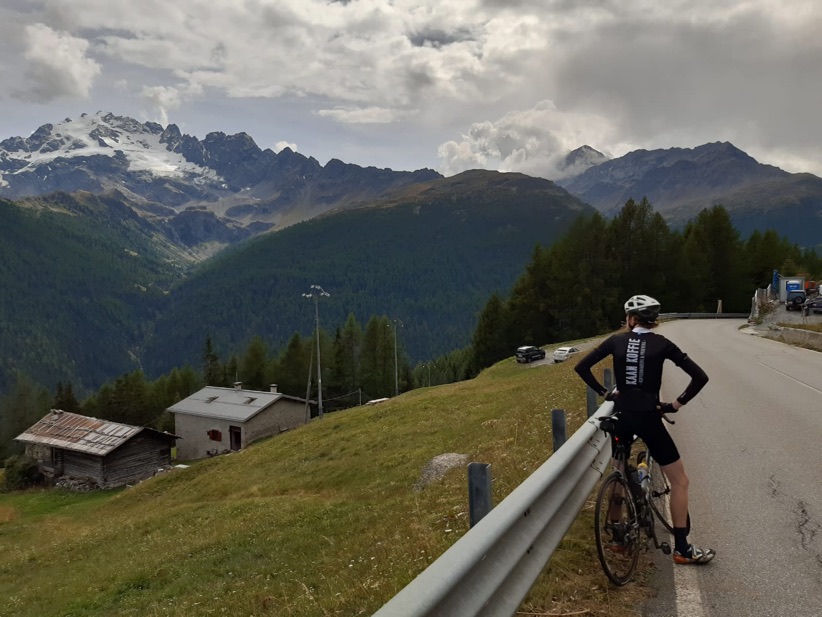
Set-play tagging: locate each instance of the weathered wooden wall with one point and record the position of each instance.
(137, 459)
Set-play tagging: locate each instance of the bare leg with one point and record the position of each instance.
(675, 472)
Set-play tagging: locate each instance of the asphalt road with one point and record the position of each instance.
(752, 446)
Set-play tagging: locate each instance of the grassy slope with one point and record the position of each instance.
(322, 520)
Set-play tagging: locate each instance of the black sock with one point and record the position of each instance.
(681, 544)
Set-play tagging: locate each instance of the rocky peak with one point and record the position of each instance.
(39, 137)
(579, 160)
(153, 128)
(14, 144)
(171, 136)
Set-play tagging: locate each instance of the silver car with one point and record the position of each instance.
(561, 354)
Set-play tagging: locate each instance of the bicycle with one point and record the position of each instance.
(623, 526)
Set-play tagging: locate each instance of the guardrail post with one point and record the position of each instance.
(479, 491)
(607, 377)
(558, 427)
(592, 401)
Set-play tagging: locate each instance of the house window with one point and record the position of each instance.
(215, 435)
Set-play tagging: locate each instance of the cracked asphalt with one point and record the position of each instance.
(751, 444)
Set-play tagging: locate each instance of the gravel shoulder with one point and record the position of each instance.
(776, 314)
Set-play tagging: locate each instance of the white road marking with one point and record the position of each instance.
(784, 374)
(686, 588)
(686, 584)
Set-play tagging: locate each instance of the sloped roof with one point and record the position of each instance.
(71, 431)
(233, 404)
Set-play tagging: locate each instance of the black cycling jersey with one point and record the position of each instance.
(638, 360)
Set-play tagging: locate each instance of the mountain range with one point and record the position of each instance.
(94, 290)
(679, 182)
(106, 221)
(214, 191)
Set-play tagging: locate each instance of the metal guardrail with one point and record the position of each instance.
(489, 570)
(705, 315)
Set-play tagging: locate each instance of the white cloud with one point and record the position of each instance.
(167, 98)
(621, 73)
(533, 141)
(282, 145)
(368, 115)
(56, 65)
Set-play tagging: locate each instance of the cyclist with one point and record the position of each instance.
(638, 356)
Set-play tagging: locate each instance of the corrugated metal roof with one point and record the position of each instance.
(226, 403)
(71, 431)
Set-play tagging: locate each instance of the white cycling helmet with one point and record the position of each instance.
(645, 307)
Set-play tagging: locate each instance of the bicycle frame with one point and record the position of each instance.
(641, 498)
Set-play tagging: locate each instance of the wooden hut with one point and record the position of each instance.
(108, 454)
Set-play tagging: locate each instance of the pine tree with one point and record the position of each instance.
(64, 398)
(254, 365)
(293, 366)
(24, 405)
(346, 356)
(528, 320)
(377, 358)
(489, 345)
(713, 243)
(213, 373)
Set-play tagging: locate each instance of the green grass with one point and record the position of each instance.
(813, 327)
(323, 520)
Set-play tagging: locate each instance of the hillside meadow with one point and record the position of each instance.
(323, 521)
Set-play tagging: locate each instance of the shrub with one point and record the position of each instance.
(21, 472)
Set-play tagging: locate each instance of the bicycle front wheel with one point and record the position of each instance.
(661, 496)
(616, 529)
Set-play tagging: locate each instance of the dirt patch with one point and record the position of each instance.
(7, 514)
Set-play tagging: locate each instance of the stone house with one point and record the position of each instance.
(100, 452)
(217, 420)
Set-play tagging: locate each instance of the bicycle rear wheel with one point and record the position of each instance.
(661, 496)
(616, 529)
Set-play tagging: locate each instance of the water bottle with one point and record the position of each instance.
(642, 474)
(633, 482)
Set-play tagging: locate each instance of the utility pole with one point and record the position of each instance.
(316, 292)
(396, 371)
(308, 389)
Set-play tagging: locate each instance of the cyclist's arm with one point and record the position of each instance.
(698, 377)
(583, 367)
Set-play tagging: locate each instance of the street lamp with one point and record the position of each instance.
(316, 292)
(396, 376)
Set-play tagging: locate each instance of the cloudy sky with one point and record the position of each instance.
(447, 84)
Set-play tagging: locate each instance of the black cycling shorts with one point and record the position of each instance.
(647, 425)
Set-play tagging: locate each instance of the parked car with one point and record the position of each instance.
(795, 300)
(814, 305)
(529, 353)
(561, 354)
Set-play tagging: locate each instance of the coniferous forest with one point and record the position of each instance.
(572, 289)
(576, 288)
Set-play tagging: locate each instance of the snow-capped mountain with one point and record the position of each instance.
(140, 145)
(165, 173)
